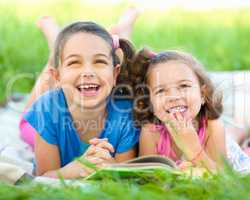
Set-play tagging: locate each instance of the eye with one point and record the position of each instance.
(184, 85)
(73, 62)
(159, 91)
(101, 61)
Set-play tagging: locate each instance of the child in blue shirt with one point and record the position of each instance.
(67, 120)
(123, 28)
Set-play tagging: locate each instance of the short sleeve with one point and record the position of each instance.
(129, 136)
(42, 117)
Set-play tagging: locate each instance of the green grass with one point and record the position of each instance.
(226, 185)
(218, 38)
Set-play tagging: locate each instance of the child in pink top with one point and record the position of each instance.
(178, 109)
(164, 144)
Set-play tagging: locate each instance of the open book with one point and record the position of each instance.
(141, 167)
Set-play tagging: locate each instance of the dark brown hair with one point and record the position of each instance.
(145, 58)
(93, 28)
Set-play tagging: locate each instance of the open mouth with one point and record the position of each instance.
(177, 109)
(88, 89)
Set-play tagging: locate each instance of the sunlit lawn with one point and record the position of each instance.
(226, 185)
(220, 39)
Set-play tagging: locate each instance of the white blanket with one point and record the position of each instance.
(12, 148)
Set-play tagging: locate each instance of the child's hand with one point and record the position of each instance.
(77, 169)
(99, 152)
(184, 165)
(74, 169)
(103, 143)
(184, 134)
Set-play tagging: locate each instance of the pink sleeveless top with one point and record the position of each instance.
(163, 146)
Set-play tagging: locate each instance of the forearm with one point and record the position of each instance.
(122, 157)
(71, 171)
(51, 174)
(201, 159)
(205, 161)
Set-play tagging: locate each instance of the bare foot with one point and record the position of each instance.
(245, 145)
(124, 27)
(247, 151)
(50, 29)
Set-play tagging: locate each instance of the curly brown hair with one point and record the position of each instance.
(145, 58)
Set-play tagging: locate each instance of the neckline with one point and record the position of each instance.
(166, 139)
(71, 119)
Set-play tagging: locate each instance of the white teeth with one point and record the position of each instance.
(177, 109)
(88, 86)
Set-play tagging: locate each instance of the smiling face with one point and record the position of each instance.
(86, 73)
(174, 88)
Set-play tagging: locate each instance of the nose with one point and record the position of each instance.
(88, 75)
(173, 94)
(88, 72)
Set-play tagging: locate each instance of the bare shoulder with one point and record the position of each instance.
(149, 131)
(215, 145)
(216, 126)
(148, 139)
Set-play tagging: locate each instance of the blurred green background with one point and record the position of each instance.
(219, 38)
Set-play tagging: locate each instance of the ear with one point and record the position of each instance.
(116, 72)
(120, 54)
(54, 75)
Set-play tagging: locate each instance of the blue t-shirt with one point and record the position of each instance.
(51, 118)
